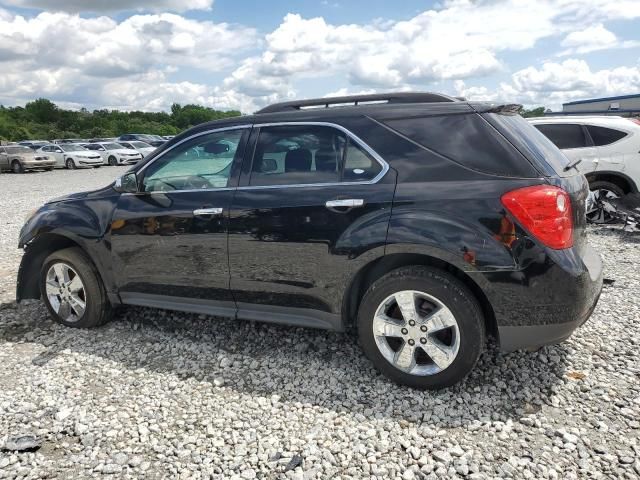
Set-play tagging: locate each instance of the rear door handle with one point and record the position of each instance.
(200, 212)
(345, 203)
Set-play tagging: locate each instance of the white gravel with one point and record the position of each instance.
(157, 394)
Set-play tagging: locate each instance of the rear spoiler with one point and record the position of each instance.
(506, 108)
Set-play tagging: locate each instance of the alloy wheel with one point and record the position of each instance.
(66, 292)
(416, 333)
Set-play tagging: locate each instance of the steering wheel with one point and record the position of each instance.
(196, 182)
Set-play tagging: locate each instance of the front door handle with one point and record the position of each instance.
(345, 203)
(201, 212)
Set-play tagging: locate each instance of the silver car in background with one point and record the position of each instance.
(19, 159)
(141, 147)
(114, 154)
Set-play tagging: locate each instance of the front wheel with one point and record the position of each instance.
(113, 161)
(421, 327)
(17, 167)
(73, 291)
(70, 164)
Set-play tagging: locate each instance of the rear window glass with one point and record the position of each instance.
(564, 135)
(468, 140)
(602, 136)
(533, 144)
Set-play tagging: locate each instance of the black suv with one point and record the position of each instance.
(426, 222)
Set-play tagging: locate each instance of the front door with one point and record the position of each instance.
(312, 207)
(169, 242)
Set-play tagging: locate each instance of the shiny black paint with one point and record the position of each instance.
(278, 254)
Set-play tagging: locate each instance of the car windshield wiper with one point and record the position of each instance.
(572, 165)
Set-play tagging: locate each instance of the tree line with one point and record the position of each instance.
(43, 119)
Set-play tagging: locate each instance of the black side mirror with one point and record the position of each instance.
(127, 183)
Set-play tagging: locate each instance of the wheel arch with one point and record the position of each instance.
(622, 180)
(375, 269)
(33, 258)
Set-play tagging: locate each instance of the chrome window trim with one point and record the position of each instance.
(351, 135)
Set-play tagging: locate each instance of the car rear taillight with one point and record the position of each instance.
(545, 211)
(635, 120)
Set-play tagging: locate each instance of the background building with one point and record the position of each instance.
(624, 105)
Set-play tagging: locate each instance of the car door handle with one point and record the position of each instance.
(201, 212)
(345, 203)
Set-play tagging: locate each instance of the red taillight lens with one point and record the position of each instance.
(635, 120)
(545, 211)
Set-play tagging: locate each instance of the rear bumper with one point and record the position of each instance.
(544, 303)
(38, 164)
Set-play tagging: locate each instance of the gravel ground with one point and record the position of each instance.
(157, 394)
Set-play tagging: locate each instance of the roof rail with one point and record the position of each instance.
(355, 100)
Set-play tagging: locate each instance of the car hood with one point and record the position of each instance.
(84, 154)
(99, 193)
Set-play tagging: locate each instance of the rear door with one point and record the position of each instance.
(4, 163)
(312, 206)
(575, 143)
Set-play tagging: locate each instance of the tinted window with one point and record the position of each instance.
(604, 136)
(200, 163)
(533, 144)
(564, 135)
(466, 139)
(308, 154)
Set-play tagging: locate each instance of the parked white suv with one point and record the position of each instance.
(607, 149)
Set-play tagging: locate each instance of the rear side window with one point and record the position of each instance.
(564, 135)
(602, 136)
(468, 140)
(309, 154)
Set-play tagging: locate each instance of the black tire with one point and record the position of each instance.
(97, 166)
(604, 185)
(70, 164)
(113, 161)
(98, 307)
(452, 293)
(17, 167)
(50, 169)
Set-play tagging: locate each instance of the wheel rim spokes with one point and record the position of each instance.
(416, 333)
(65, 292)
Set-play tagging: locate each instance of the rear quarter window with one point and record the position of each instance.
(602, 136)
(466, 139)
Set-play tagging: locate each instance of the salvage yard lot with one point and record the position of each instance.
(177, 395)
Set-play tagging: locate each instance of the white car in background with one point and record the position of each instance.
(142, 147)
(113, 153)
(607, 149)
(72, 156)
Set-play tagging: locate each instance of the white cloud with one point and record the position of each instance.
(556, 83)
(112, 5)
(591, 39)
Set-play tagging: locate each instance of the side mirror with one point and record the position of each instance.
(127, 183)
(216, 148)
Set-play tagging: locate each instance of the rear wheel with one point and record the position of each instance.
(70, 164)
(599, 210)
(72, 290)
(16, 167)
(421, 327)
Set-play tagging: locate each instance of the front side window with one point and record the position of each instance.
(203, 162)
(602, 136)
(564, 135)
(307, 155)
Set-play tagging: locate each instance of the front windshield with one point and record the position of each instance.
(18, 149)
(112, 146)
(140, 145)
(71, 148)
